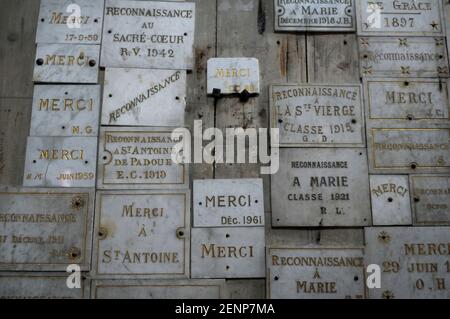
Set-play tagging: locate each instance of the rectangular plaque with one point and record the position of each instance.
(390, 200)
(322, 115)
(134, 97)
(414, 261)
(40, 286)
(138, 157)
(158, 289)
(228, 202)
(65, 110)
(431, 199)
(407, 99)
(315, 273)
(233, 75)
(144, 34)
(142, 233)
(409, 150)
(60, 162)
(229, 252)
(45, 229)
(66, 63)
(321, 188)
(400, 18)
(330, 16)
(403, 57)
(70, 22)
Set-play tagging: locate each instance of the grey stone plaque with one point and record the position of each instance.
(233, 75)
(138, 157)
(400, 18)
(66, 63)
(158, 289)
(409, 150)
(70, 21)
(407, 99)
(60, 162)
(145, 34)
(321, 188)
(228, 202)
(390, 200)
(65, 110)
(315, 273)
(40, 286)
(45, 229)
(403, 57)
(142, 234)
(229, 252)
(318, 115)
(431, 199)
(134, 97)
(330, 16)
(414, 261)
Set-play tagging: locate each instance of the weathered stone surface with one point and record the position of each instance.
(65, 110)
(390, 200)
(321, 188)
(45, 229)
(142, 234)
(315, 273)
(414, 261)
(228, 203)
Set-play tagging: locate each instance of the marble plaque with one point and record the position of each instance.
(400, 18)
(228, 203)
(62, 63)
(319, 16)
(65, 110)
(148, 34)
(142, 234)
(310, 115)
(135, 97)
(139, 158)
(70, 21)
(413, 260)
(390, 200)
(321, 188)
(45, 229)
(228, 252)
(233, 75)
(403, 57)
(60, 162)
(431, 199)
(315, 273)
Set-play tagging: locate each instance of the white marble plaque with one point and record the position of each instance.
(233, 75)
(414, 261)
(319, 16)
(139, 158)
(324, 115)
(403, 57)
(321, 188)
(390, 200)
(70, 21)
(144, 34)
(431, 199)
(60, 162)
(315, 273)
(62, 63)
(45, 229)
(228, 203)
(137, 97)
(142, 234)
(65, 110)
(229, 252)
(400, 18)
